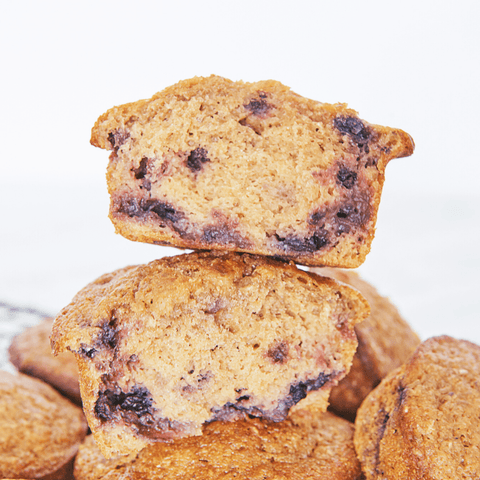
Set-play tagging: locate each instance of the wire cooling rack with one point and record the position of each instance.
(13, 320)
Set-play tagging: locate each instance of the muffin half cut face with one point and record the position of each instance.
(251, 167)
(165, 347)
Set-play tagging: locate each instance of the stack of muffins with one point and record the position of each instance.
(232, 338)
(222, 362)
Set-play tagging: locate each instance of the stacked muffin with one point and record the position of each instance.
(229, 352)
(41, 430)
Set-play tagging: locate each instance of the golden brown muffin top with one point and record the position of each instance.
(40, 430)
(115, 126)
(385, 341)
(422, 421)
(306, 446)
(30, 352)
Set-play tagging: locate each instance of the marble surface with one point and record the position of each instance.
(13, 321)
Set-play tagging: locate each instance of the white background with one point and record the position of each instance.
(414, 65)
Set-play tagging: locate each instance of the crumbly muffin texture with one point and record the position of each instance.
(253, 167)
(307, 446)
(385, 341)
(30, 353)
(40, 430)
(165, 347)
(422, 421)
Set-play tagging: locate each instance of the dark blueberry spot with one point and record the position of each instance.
(117, 138)
(138, 400)
(316, 217)
(108, 333)
(299, 391)
(352, 215)
(243, 398)
(278, 353)
(346, 177)
(142, 170)
(258, 106)
(87, 351)
(134, 207)
(224, 235)
(320, 239)
(350, 212)
(196, 159)
(231, 411)
(344, 212)
(104, 406)
(163, 210)
(291, 242)
(130, 206)
(112, 401)
(354, 128)
(310, 244)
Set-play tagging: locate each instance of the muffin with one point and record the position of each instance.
(385, 341)
(250, 167)
(30, 352)
(40, 430)
(163, 348)
(422, 421)
(307, 446)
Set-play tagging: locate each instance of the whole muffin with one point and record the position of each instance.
(165, 347)
(423, 421)
(40, 430)
(385, 341)
(306, 446)
(254, 167)
(30, 352)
